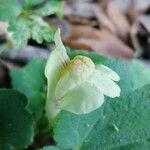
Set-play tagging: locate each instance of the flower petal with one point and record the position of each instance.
(77, 71)
(57, 59)
(82, 99)
(105, 84)
(105, 71)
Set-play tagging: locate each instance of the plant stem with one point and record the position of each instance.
(52, 111)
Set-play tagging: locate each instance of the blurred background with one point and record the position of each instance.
(111, 27)
(115, 28)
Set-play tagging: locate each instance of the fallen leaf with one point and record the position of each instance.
(145, 22)
(78, 8)
(103, 20)
(140, 32)
(118, 19)
(109, 48)
(102, 41)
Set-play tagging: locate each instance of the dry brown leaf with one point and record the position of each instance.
(134, 31)
(145, 22)
(103, 20)
(82, 21)
(75, 44)
(79, 31)
(140, 5)
(86, 37)
(118, 19)
(140, 33)
(3, 31)
(79, 8)
(3, 27)
(108, 48)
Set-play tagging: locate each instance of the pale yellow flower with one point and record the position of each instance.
(76, 85)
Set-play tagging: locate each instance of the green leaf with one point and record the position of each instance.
(33, 2)
(41, 31)
(50, 148)
(23, 29)
(9, 9)
(123, 70)
(119, 122)
(16, 123)
(72, 130)
(141, 73)
(50, 7)
(126, 121)
(20, 32)
(30, 80)
(135, 146)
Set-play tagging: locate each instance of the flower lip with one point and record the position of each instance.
(81, 67)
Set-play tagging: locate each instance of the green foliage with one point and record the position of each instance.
(45, 10)
(119, 124)
(50, 148)
(144, 145)
(16, 123)
(125, 121)
(25, 20)
(30, 3)
(30, 81)
(76, 128)
(141, 73)
(23, 29)
(20, 32)
(122, 123)
(123, 70)
(9, 9)
(40, 31)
